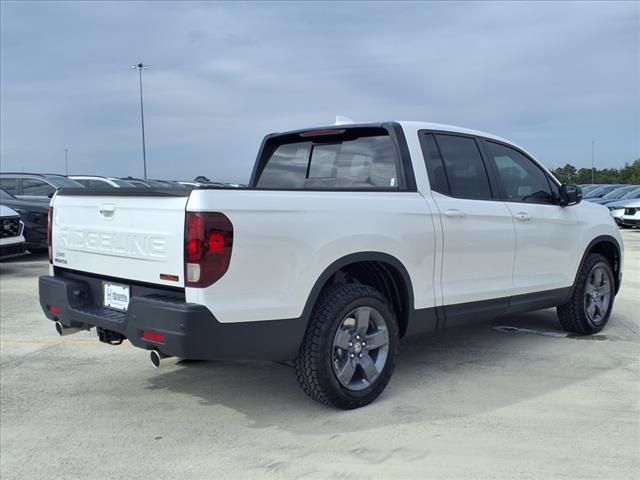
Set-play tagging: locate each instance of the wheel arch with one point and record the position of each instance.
(607, 246)
(379, 270)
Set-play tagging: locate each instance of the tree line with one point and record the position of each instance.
(630, 174)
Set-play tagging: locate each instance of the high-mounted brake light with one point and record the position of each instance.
(50, 234)
(319, 133)
(207, 248)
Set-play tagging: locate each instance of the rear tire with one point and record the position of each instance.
(349, 351)
(589, 308)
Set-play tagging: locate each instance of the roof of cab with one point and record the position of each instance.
(449, 128)
(407, 125)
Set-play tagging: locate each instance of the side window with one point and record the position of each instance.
(9, 185)
(521, 179)
(464, 168)
(435, 166)
(35, 187)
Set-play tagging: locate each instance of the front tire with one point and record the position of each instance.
(349, 351)
(589, 308)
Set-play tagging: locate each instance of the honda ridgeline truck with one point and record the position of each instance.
(347, 239)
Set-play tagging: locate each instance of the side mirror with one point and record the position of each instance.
(570, 195)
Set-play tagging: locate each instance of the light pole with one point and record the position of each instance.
(141, 67)
(66, 162)
(593, 171)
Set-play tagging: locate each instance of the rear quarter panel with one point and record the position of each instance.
(284, 240)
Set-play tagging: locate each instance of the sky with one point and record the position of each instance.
(551, 77)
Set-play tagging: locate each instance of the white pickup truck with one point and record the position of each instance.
(347, 239)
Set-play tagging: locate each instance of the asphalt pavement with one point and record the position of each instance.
(510, 398)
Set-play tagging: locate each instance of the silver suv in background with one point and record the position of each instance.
(96, 181)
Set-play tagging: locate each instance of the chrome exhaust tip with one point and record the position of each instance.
(159, 360)
(62, 330)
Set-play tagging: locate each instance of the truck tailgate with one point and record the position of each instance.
(133, 234)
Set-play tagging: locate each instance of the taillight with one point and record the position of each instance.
(207, 248)
(50, 234)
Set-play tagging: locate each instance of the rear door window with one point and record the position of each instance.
(36, 188)
(465, 170)
(435, 166)
(341, 162)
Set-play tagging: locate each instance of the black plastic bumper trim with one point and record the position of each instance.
(190, 330)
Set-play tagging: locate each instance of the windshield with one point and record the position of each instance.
(635, 193)
(600, 192)
(63, 182)
(6, 195)
(138, 184)
(122, 183)
(618, 192)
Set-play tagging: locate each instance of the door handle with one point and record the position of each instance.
(107, 210)
(454, 213)
(523, 216)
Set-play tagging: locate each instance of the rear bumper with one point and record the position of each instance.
(190, 330)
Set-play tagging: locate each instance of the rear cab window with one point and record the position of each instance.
(356, 158)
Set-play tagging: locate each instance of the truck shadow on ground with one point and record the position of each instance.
(452, 373)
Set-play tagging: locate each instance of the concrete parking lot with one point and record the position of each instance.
(472, 402)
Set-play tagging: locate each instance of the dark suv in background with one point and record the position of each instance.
(35, 186)
(34, 216)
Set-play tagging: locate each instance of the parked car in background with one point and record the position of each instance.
(212, 184)
(11, 239)
(616, 209)
(136, 182)
(34, 214)
(615, 194)
(35, 185)
(200, 184)
(633, 194)
(601, 192)
(95, 181)
(588, 187)
(631, 214)
(148, 183)
(169, 183)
